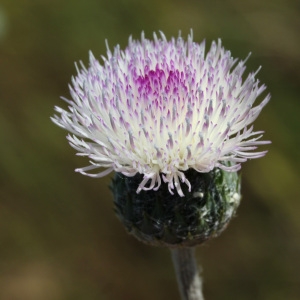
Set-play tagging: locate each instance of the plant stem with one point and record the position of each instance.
(187, 274)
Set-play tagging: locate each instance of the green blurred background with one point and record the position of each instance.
(59, 237)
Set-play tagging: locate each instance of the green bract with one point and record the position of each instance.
(161, 219)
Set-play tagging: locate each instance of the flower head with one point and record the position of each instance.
(160, 108)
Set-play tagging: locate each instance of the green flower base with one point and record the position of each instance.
(161, 219)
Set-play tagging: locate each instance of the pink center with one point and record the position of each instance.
(159, 82)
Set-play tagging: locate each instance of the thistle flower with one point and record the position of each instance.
(160, 108)
(166, 115)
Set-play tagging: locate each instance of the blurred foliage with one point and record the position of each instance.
(59, 238)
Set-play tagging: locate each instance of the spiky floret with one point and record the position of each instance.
(160, 108)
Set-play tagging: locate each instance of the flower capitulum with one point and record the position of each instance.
(161, 107)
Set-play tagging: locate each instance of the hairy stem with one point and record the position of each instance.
(187, 274)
